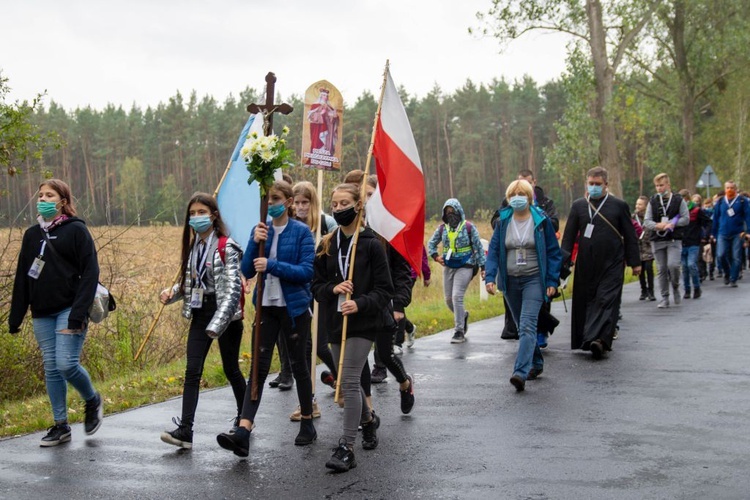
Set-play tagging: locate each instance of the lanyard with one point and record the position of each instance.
(44, 245)
(343, 266)
(521, 239)
(669, 201)
(453, 235)
(598, 209)
(729, 205)
(201, 258)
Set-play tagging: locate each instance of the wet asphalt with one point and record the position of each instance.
(666, 415)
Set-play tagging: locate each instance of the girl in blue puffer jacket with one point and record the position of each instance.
(288, 270)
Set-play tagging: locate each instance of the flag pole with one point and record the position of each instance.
(224, 176)
(355, 239)
(316, 306)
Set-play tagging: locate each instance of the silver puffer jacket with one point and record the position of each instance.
(228, 285)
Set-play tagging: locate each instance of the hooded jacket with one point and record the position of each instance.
(68, 280)
(547, 250)
(468, 249)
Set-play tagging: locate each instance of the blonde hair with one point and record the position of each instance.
(306, 189)
(661, 177)
(520, 186)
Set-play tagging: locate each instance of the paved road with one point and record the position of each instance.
(666, 416)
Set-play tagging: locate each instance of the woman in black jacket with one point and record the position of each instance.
(371, 289)
(57, 276)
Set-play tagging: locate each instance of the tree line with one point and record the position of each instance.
(674, 99)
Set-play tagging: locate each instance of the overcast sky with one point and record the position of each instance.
(86, 52)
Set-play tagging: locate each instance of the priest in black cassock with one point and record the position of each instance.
(600, 224)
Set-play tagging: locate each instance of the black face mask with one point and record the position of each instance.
(452, 219)
(345, 217)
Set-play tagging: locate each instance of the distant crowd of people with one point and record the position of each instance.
(689, 238)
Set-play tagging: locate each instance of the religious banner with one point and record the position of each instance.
(322, 127)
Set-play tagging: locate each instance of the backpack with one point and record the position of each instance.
(222, 253)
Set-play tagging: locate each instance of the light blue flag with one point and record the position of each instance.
(239, 202)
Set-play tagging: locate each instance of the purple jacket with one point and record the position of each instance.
(426, 273)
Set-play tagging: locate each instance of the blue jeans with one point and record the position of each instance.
(525, 299)
(690, 267)
(61, 353)
(729, 245)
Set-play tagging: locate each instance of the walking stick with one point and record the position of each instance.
(316, 306)
(355, 239)
(155, 321)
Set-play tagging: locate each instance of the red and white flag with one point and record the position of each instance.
(396, 209)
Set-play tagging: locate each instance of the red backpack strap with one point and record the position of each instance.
(223, 248)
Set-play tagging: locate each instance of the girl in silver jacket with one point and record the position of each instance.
(211, 290)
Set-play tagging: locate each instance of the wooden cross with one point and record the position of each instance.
(268, 109)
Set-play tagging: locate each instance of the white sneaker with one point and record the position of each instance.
(397, 350)
(411, 337)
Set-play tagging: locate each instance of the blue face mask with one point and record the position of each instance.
(519, 202)
(276, 211)
(595, 191)
(201, 223)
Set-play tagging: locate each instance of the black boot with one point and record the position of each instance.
(644, 295)
(238, 443)
(369, 433)
(307, 433)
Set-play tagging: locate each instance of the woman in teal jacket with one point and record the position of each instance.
(524, 259)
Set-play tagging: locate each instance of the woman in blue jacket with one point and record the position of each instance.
(524, 259)
(288, 271)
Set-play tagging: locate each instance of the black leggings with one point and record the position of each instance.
(324, 352)
(198, 345)
(647, 276)
(384, 355)
(275, 320)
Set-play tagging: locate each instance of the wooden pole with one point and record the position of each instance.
(258, 306)
(316, 306)
(155, 321)
(355, 239)
(224, 176)
(268, 110)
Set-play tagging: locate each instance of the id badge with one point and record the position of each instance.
(730, 212)
(589, 231)
(196, 298)
(342, 299)
(520, 256)
(273, 288)
(449, 255)
(664, 220)
(36, 268)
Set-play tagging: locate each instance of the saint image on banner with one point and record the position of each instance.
(321, 144)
